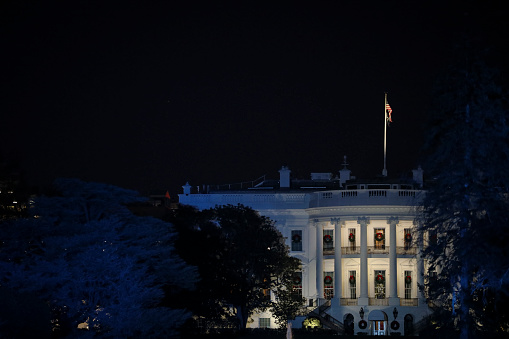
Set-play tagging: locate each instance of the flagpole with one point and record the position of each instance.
(384, 172)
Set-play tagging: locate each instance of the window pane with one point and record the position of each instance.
(352, 280)
(408, 284)
(328, 283)
(380, 284)
(328, 239)
(296, 240)
(379, 235)
(264, 322)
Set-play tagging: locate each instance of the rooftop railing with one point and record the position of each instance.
(366, 197)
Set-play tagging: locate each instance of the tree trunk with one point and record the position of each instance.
(464, 305)
(242, 316)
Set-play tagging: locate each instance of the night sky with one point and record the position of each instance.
(149, 95)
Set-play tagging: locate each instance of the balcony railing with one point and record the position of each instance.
(328, 251)
(378, 249)
(348, 302)
(351, 250)
(401, 250)
(406, 250)
(409, 302)
(378, 302)
(363, 197)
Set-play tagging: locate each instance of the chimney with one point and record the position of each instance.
(344, 173)
(418, 176)
(187, 188)
(284, 177)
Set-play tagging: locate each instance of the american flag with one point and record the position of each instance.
(389, 109)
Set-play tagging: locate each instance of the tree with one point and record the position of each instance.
(466, 209)
(101, 270)
(240, 255)
(288, 303)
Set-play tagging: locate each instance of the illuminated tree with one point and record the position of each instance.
(288, 303)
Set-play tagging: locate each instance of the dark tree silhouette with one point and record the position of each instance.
(465, 213)
(100, 269)
(240, 256)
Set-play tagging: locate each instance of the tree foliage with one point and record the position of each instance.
(466, 209)
(240, 256)
(288, 303)
(96, 265)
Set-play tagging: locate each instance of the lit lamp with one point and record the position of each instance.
(395, 313)
(361, 313)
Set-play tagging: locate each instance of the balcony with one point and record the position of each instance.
(400, 250)
(379, 302)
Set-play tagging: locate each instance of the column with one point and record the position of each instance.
(319, 259)
(338, 276)
(393, 262)
(363, 298)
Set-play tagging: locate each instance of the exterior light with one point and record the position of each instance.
(395, 313)
(361, 313)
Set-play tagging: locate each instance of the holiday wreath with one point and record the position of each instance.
(327, 280)
(351, 237)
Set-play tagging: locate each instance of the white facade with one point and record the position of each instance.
(356, 243)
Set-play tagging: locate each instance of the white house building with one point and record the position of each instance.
(360, 254)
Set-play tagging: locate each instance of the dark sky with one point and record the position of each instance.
(149, 95)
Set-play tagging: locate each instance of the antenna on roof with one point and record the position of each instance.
(344, 162)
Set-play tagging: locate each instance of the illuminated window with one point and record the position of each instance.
(352, 282)
(328, 240)
(408, 284)
(352, 239)
(380, 284)
(296, 240)
(264, 322)
(379, 238)
(328, 283)
(266, 291)
(408, 238)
